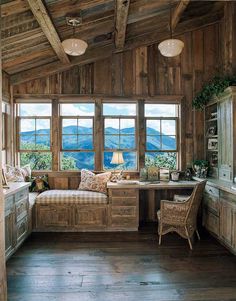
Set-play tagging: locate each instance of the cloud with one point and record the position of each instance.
(81, 109)
(160, 110)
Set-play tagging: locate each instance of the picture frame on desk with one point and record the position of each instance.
(164, 174)
(153, 173)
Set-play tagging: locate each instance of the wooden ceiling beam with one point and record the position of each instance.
(41, 15)
(13, 8)
(103, 52)
(91, 55)
(155, 36)
(180, 8)
(121, 18)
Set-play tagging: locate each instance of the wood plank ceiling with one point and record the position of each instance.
(108, 26)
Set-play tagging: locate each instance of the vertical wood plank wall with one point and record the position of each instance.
(144, 72)
(3, 288)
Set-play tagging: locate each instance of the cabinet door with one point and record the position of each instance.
(226, 222)
(234, 231)
(53, 216)
(225, 143)
(90, 216)
(9, 232)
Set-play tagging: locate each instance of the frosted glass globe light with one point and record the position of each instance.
(171, 47)
(74, 47)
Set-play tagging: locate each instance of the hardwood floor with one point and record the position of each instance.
(120, 267)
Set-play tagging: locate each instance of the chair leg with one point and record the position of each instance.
(160, 234)
(198, 236)
(159, 239)
(190, 243)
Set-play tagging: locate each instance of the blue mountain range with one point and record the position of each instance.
(70, 141)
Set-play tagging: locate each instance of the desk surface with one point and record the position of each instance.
(148, 185)
(14, 187)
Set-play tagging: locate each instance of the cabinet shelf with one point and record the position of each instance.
(212, 119)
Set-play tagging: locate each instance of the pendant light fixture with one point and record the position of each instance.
(73, 46)
(171, 47)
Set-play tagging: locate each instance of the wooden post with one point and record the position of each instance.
(55, 135)
(3, 284)
(141, 134)
(98, 126)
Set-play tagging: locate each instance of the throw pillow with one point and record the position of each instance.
(26, 172)
(39, 184)
(13, 174)
(92, 182)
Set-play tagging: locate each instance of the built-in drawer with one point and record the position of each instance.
(22, 229)
(21, 208)
(9, 203)
(116, 201)
(123, 211)
(225, 174)
(212, 191)
(211, 222)
(212, 203)
(124, 193)
(124, 223)
(21, 194)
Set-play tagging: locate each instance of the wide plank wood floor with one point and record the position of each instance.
(120, 267)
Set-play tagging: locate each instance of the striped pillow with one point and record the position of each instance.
(92, 182)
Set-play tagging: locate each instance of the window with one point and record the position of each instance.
(34, 135)
(77, 136)
(161, 121)
(120, 135)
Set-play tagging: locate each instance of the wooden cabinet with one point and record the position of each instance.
(9, 227)
(225, 126)
(124, 212)
(16, 217)
(227, 220)
(220, 135)
(53, 216)
(219, 215)
(90, 217)
(211, 209)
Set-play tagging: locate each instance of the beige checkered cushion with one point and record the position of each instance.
(71, 197)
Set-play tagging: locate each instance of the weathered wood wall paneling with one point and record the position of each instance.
(144, 71)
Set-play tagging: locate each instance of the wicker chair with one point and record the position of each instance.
(181, 216)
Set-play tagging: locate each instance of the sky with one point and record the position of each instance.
(87, 109)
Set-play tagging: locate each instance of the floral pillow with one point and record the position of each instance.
(14, 174)
(92, 182)
(26, 172)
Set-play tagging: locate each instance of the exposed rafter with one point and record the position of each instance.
(121, 17)
(91, 55)
(177, 13)
(106, 51)
(41, 15)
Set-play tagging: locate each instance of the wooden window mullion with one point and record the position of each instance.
(55, 132)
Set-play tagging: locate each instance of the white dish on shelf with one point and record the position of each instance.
(127, 182)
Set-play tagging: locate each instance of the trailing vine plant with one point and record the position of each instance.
(216, 86)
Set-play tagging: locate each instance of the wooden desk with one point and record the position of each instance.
(132, 203)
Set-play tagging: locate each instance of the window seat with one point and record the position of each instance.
(71, 197)
(71, 210)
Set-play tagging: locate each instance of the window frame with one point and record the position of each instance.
(98, 127)
(177, 132)
(77, 117)
(131, 117)
(18, 135)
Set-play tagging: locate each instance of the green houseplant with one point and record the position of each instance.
(216, 86)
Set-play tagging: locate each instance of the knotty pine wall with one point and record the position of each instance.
(144, 72)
